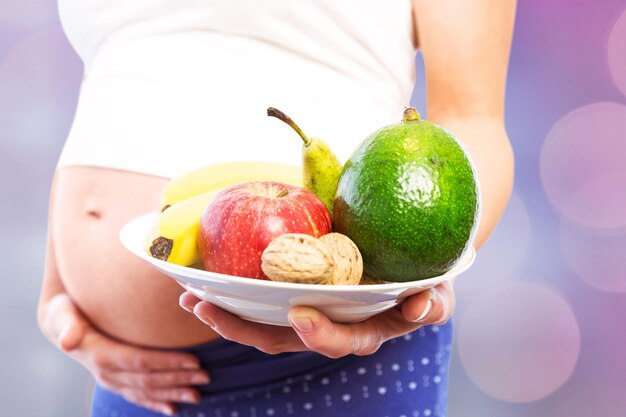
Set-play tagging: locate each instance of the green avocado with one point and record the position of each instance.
(409, 198)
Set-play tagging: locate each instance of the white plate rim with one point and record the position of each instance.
(125, 236)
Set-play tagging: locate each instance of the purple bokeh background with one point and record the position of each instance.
(541, 316)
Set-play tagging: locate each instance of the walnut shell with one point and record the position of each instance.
(300, 258)
(347, 257)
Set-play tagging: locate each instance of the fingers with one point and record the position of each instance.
(130, 358)
(63, 323)
(335, 340)
(140, 381)
(150, 378)
(321, 335)
(421, 307)
(446, 297)
(175, 395)
(153, 387)
(153, 360)
(188, 301)
(154, 379)
(71, 335)
(163, 407)
(139, 395)
(434, 306)
(266, 338)
(316, 332)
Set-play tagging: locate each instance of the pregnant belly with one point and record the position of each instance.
(120, 294)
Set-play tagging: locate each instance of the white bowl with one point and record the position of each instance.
(268, 301)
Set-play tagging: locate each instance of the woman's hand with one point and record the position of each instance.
(150, 378)
(311, 330)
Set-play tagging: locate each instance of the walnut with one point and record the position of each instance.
(296, 257)
(332, 259)
(348, 260)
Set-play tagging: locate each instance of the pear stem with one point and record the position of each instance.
(271, 111)
(411, 115)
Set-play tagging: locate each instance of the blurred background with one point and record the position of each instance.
(541, 318)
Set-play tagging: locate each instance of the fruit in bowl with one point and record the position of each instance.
(409, 198)
(320, 166)
(333, 259)
(243, 219)
(184, 198)
(268, 302)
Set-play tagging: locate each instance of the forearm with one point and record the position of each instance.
(466, 48)
(488, 145)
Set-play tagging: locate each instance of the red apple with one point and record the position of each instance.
(242, 220)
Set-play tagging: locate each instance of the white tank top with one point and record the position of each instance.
(175, 84)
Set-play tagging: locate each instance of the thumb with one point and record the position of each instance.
(64, 323)
(71, 334)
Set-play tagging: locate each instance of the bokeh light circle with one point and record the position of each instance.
(617, 52)
(502, 255)
(519, 343)
(583, 165)
(598, 259)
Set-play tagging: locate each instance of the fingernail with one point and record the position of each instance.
(429, 306)
(190, 365)
(62, 334)
(188, 398)
(167, 411)
(302, 324)
(204, 318)
(187, 309)
(200, 379)
(207, 321)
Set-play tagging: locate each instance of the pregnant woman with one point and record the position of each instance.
(173, 85)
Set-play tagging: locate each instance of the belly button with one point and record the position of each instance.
(92, 209)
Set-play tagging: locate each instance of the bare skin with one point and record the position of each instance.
(108, 322)
(86, 242)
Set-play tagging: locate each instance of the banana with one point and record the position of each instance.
(218, 176)
(178, 230)
(185, 197)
